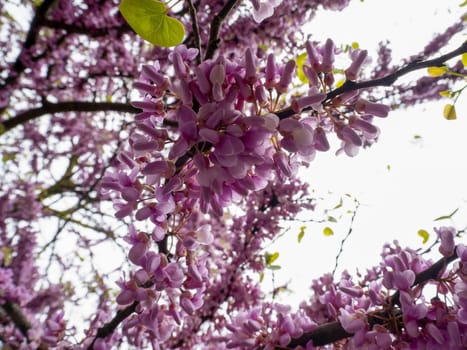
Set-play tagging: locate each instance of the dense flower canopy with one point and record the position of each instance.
(180, 165)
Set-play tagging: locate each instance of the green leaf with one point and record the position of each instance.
(261, 276)
(301, 233)
(148, 18)
(332, 219)
(437, 71)
(8, 156)
(445, 217)
(300, 60)
(327, 231)
(449, 112)
(464, 55)
(445, 93)
(270, 258)
(463, 4)
(7, 255)
(340, 83)
(274, 267)
(339, 204)
(424, 234)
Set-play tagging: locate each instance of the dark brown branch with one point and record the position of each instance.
(195, 26)
(216, 26)
(90, 32)
(69, 106)
(20, 321)
(385, 81)
(110, 327)
(331, 332)
(31, 37)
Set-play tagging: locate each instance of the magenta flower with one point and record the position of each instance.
(446, 236)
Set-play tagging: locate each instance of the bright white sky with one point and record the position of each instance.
(427, 177)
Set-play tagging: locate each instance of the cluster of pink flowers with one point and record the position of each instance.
(22, 299)
(232, 132)
(232, 129)
(384, 309)
(217, 133)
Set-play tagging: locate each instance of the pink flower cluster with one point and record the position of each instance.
(384, 309)
(231, 134)
(21, 300)
(210, 137)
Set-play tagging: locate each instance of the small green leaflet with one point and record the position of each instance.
(339, 204)
(270, 258)
(445, 217)
(300, 61)
(327, 231)
(148, 18)
(464, 55)
(449, 112)
(424, 234)
(301, 233)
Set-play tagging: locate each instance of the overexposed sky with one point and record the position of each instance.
(403, 183)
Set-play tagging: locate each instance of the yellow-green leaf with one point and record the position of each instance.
(301, 233)
(327, 231)
(270, 258)
(300, 60)
(449, 112)
(339, 205)
(8, 156)
(6, 252)
(437, 71)
(148, 18)
(464, 58)
(445, 93)
(355, 45)
(340, 83)
(424, 234)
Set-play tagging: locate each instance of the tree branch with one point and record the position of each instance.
(195, 26)
(333, 331)
(31, 37)
(20, 321)
(89, 32)
(388, 80)
(110, 327)
(59, 107)
(216, 26)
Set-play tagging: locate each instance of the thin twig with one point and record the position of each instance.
(33, 32)
(341, 249)
(194, 23)
(216, 26)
